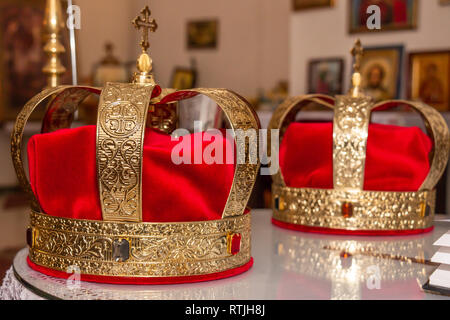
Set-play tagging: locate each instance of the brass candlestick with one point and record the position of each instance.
(53, 23)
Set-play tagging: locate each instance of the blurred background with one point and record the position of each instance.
(263, 49)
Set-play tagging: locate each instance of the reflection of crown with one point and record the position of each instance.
(341, 269)
(238, 287)
(323, 184)
(331, 258)
(133, 216)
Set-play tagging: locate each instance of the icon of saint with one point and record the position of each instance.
(374, 83)
(431, 89)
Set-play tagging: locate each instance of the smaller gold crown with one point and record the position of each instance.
(348, 207)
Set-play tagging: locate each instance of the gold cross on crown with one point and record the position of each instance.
(357, 52)
(144, 22)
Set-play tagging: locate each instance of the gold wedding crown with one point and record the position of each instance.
(347, 207)
(122, 245)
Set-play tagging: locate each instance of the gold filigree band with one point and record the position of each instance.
(372, 210)
(241, 117)
(19, 127)
(438, 131)
(62, 107)
(122, 115)
(152, 250)
(350, 132)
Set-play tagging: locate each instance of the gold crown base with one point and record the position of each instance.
(353, 210)
(143, 250)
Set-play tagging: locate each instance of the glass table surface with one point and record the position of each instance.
(287, 265)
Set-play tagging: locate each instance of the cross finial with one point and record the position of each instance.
(144, 22)
(144, 62)
(357, 52)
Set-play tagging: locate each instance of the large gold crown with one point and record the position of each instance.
(121, 246)
(347, 207)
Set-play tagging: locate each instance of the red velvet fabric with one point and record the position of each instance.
(396, 158)
(297, 227)
(142, 280)
(64, 178)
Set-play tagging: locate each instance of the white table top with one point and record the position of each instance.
(288, 265)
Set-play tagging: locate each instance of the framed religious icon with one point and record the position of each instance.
(183, 78)
(22, 57)
(202, 34)
(395, 15)
(429, 78)
(298, 5)
(325, 76)
(381, 72)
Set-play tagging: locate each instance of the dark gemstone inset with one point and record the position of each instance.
(427, 211)
(30, 237)
(121, 250)
(279, 203)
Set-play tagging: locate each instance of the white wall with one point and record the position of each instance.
(103, 21)
(260, 41)
(252, 48)
(252, 42)
(324, 33)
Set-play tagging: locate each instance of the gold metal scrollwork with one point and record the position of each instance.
(121, 123)
(241, 117)
(438, 131)
(350, 131)
(19, 127)
(436, 125)
(237, 110)
(156, 249)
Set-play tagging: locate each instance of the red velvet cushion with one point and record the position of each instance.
(396, 159)
(63, 176)
(145, 280)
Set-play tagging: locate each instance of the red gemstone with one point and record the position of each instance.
(235, 243)
(347, 209)
(346, 260)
